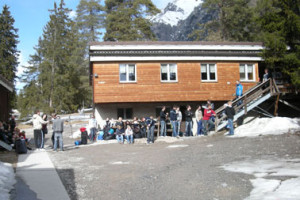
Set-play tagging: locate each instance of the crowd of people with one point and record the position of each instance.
(204, 115)
(10, 133)
(127, 130)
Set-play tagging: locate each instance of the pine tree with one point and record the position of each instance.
(54, 72)
(90, 19)
(89, 22)
(128, 20)
(232, 20)
(279, 21)
(8, 45)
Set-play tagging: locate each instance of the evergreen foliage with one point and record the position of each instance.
(89, 22)
(8, 50)
(279, 21)
(53, 76)
(232, 20)
(128, 20)
(8, 45)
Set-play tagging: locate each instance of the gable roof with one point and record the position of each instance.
(7, 84)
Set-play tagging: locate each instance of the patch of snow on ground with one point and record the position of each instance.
(77, 134)
(7, 180)
(268, 126)
(265, 186)
(177, 146)
(119, 163)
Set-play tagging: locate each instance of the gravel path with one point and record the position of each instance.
(188, 169)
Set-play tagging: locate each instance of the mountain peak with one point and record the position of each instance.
(175, 11)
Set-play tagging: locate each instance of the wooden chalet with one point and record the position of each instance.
(6, 88)
(137, 78)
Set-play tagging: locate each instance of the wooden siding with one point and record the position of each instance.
(4, 103)
(149, 88)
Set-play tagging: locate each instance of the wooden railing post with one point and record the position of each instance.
(271, 86)
(276, 106)
(245, 104)
(216, 123)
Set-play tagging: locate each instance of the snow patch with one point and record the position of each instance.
(268, 126)
(209, 145)
(7, 180)
(265, 186)
(119, 163)
(177, 146)
(176, 11)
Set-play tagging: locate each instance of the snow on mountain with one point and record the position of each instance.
(176, 11)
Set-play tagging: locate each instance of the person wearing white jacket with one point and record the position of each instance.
(37, 129)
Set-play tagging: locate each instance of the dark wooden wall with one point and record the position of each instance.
(4, 103)
(149, 88)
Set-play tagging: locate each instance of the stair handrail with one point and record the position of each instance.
(258, 86)
(253, 93)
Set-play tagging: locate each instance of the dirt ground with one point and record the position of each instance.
(9, 157)
(188, 169)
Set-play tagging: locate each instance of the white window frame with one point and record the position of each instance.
(127, 74)
(207, 72)
(168, 73)
(246, 72)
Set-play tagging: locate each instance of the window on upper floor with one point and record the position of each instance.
(247, 72)
(127, 73)
(208, 72)
(125, 113)
(168, 72)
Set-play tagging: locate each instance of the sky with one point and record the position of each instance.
(30, 18)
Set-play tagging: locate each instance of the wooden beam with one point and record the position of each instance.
(276, 106)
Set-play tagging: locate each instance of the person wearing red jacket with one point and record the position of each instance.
(208, 124)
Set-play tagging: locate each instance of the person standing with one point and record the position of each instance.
(239, 92)
(230, 112)
(207, 122)
(44, 130)
(58, 129)
(150, 130)
(188, 121)
(12, 123)
(163, 126)
(93, 128)
(266, 75)
(37, 129)
(120, 131)
(173, 119)
(143, 127)
(179, 119)
(198, 115)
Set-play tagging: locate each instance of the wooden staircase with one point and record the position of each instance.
(250, 99)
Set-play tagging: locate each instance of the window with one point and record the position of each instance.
(247, 72)
(125, 113)
(208, 72)
(127, 73)
(168, 72)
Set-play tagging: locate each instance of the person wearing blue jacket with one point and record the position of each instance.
(239, 92)
(239, 89)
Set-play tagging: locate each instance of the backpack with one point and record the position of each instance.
(84, 137)
(20, 146)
